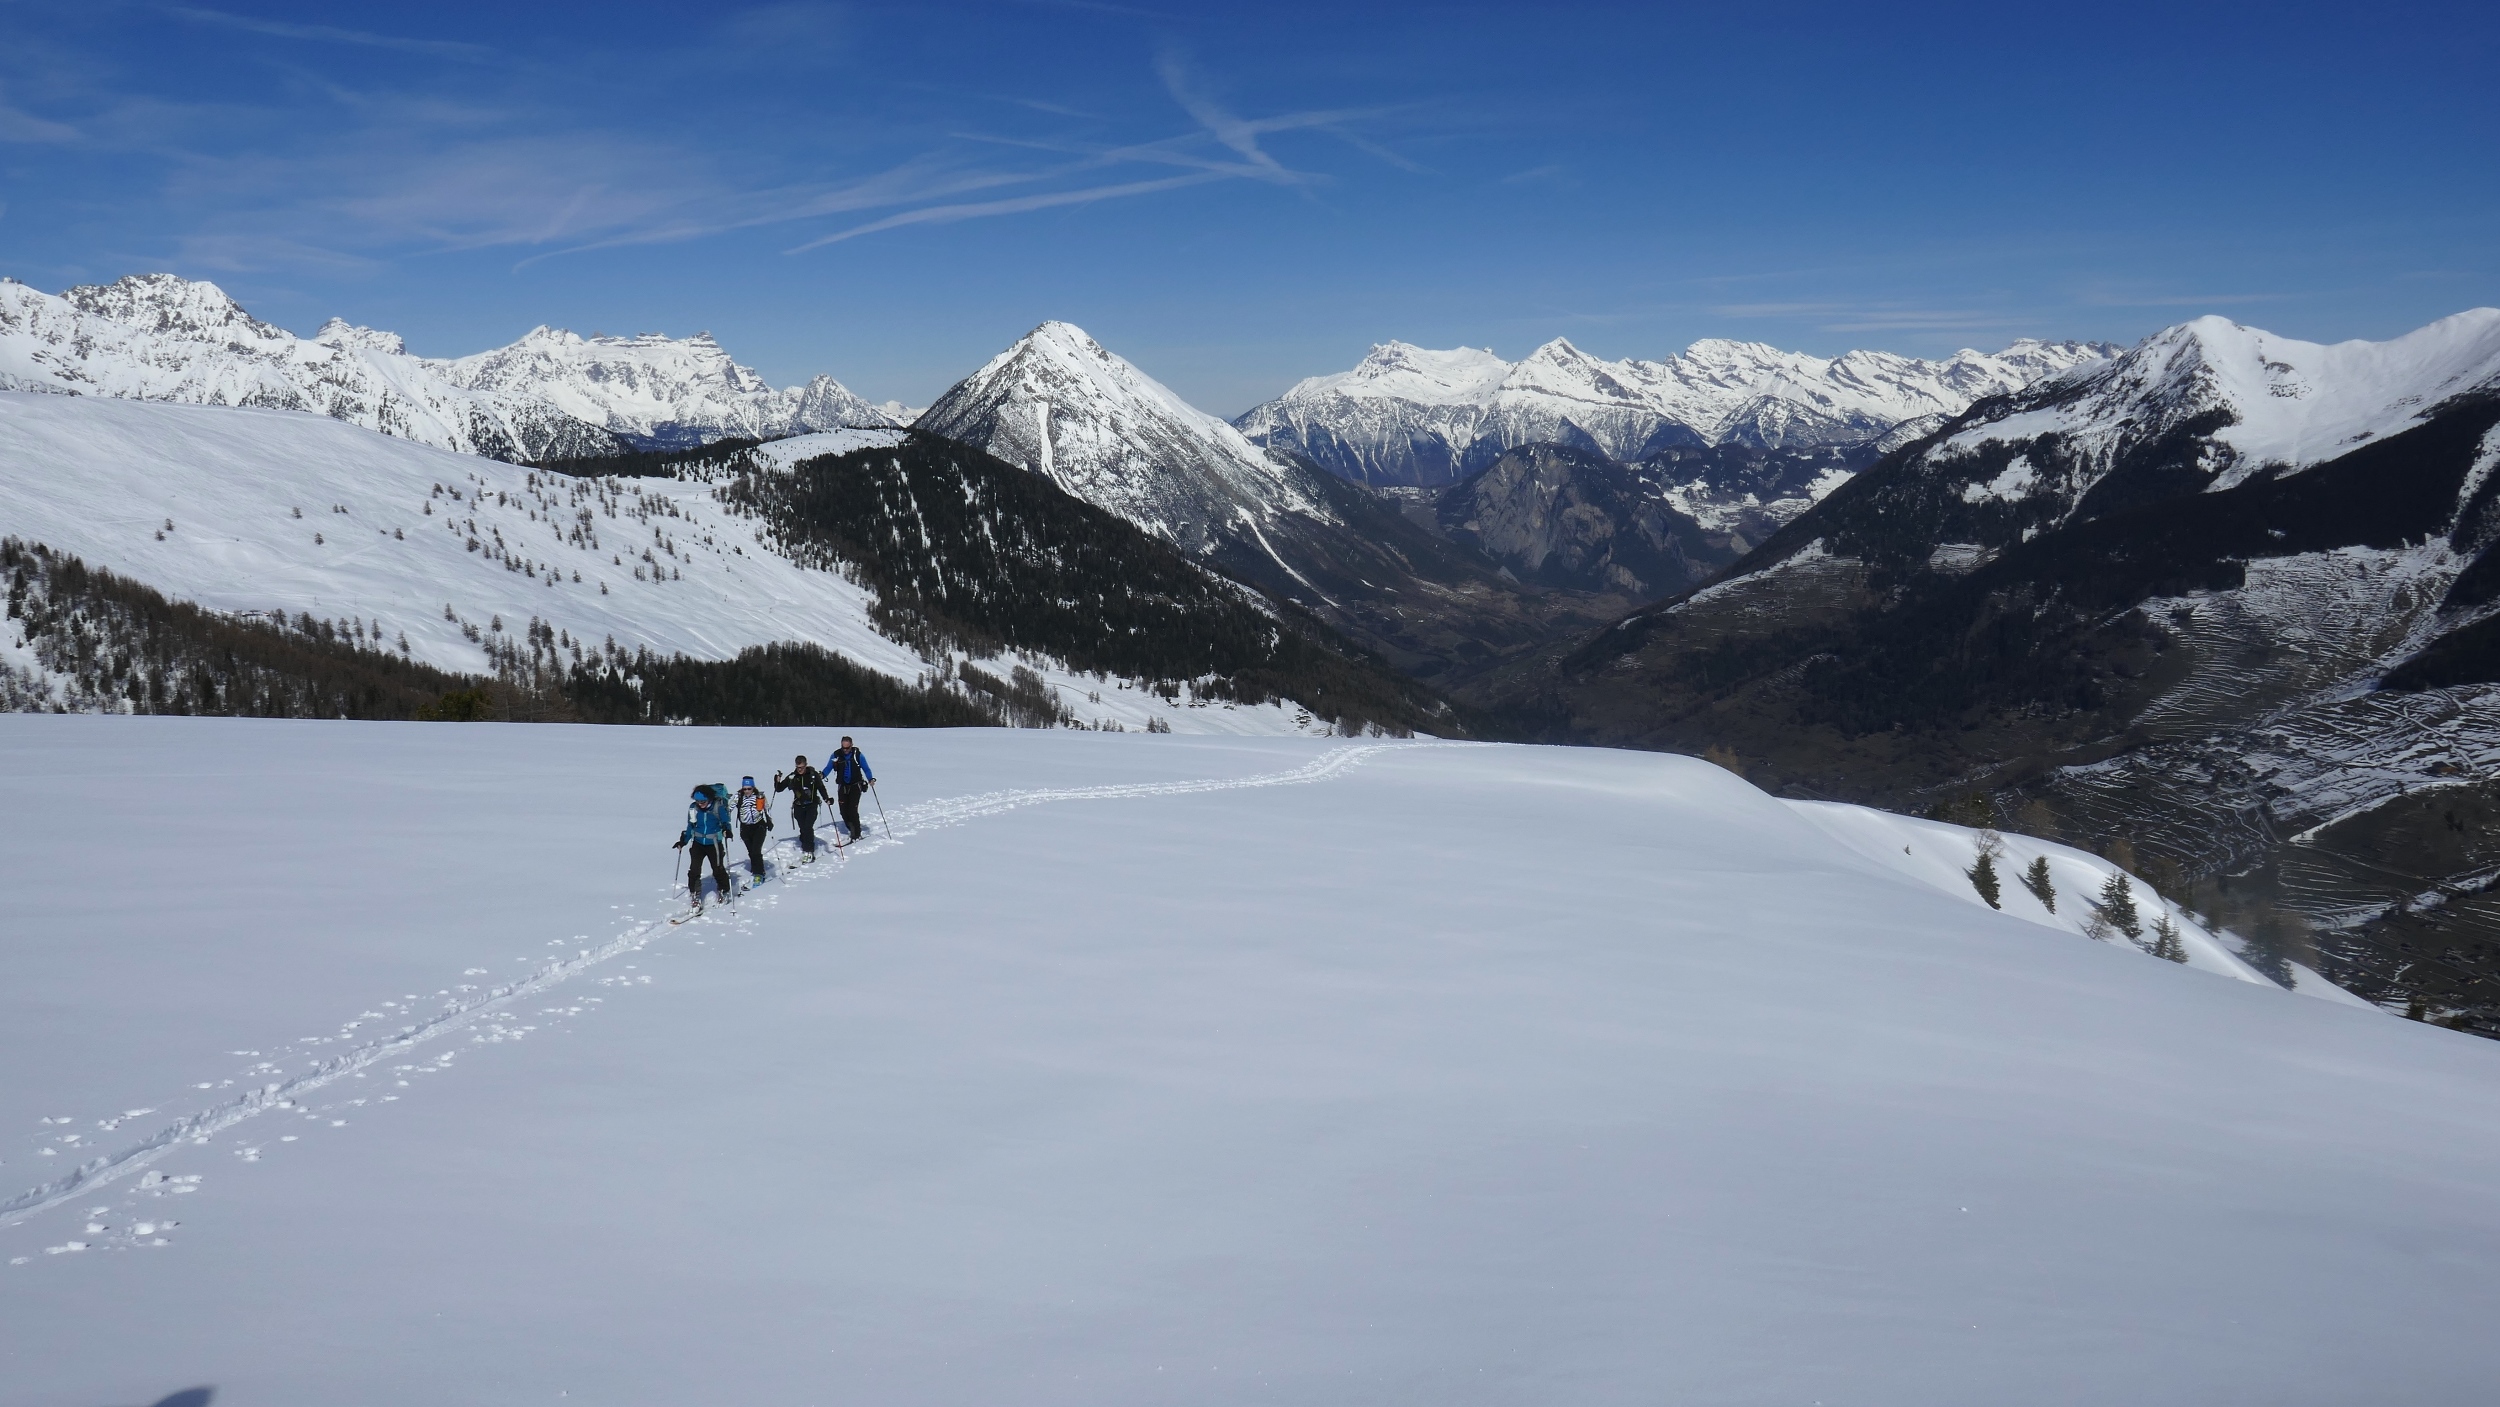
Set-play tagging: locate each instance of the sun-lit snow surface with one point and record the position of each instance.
(2291, 403)
(1060, 404)
(784, 453)
(101, 478)
(1423, 1073)
(1407, 414)
(550, 394)
(652, 387)
(155, 337)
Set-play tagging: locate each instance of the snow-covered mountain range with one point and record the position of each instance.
(1410, 415)
(2225, 592)
(447, 557)
(550, 395)
(1059, 404)
(2215, 400)
(662, 391)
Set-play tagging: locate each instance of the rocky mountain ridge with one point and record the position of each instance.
(550, 395)
(1415, 416)
(1060, 405)
(2229, 597)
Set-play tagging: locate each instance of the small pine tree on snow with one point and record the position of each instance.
(2036, 879)
(2166, 941)
(2116, 906)
(1983, 873)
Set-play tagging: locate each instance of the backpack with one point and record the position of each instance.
(718, 826)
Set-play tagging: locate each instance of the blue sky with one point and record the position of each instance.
(1234, 198)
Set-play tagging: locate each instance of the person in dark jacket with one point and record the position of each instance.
(755, 821)
(807, 791)
(848, 770)
(707, 829)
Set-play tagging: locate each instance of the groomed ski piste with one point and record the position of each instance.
(358, 1063)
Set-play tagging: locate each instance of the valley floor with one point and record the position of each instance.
(1141, 1069)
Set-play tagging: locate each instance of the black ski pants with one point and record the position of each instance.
(696, 854)
(753, 834)
(806, 817)
(850, 807)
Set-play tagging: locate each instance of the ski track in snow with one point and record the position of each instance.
(464, 1012)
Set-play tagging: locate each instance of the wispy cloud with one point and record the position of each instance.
(332, 34)
(1013, 205)
(1220, 122)
(18, 125)
(492, 156)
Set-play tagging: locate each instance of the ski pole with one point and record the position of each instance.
(881, 820)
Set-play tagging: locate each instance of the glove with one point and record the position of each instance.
(680, 845)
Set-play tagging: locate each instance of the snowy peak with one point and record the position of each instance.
(339, 332)
(657, 389)
(1412, 415)
(154, 337)
(551, 394)
(1404, 371)
(1061, 404)
(2281, 402)
(165, 304)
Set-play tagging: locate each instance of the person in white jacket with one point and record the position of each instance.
(754, 810)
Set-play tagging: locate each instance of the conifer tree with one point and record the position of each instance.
(2166, 941)
(1983, 874)
(2116, 906)
(2036, 879)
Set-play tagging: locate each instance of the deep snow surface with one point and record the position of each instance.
(255, 510)
(1422, 1072)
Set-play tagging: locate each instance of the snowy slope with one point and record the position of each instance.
(1409, 415)
(1058, 403)
(155, 337)
(1061, 1096)
(660, 390)
(2281, 402)
(422, 543)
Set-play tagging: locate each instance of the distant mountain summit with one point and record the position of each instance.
(1415, 416)
(550, 395)
(155, 337)
(1057, 403)
(661, 392)
(2230, 596)
(1060, 405)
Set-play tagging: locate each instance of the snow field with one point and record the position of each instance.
(501, 543)
(1431, 1072)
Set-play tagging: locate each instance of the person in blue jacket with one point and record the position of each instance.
(848, 770)
(707, 829)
